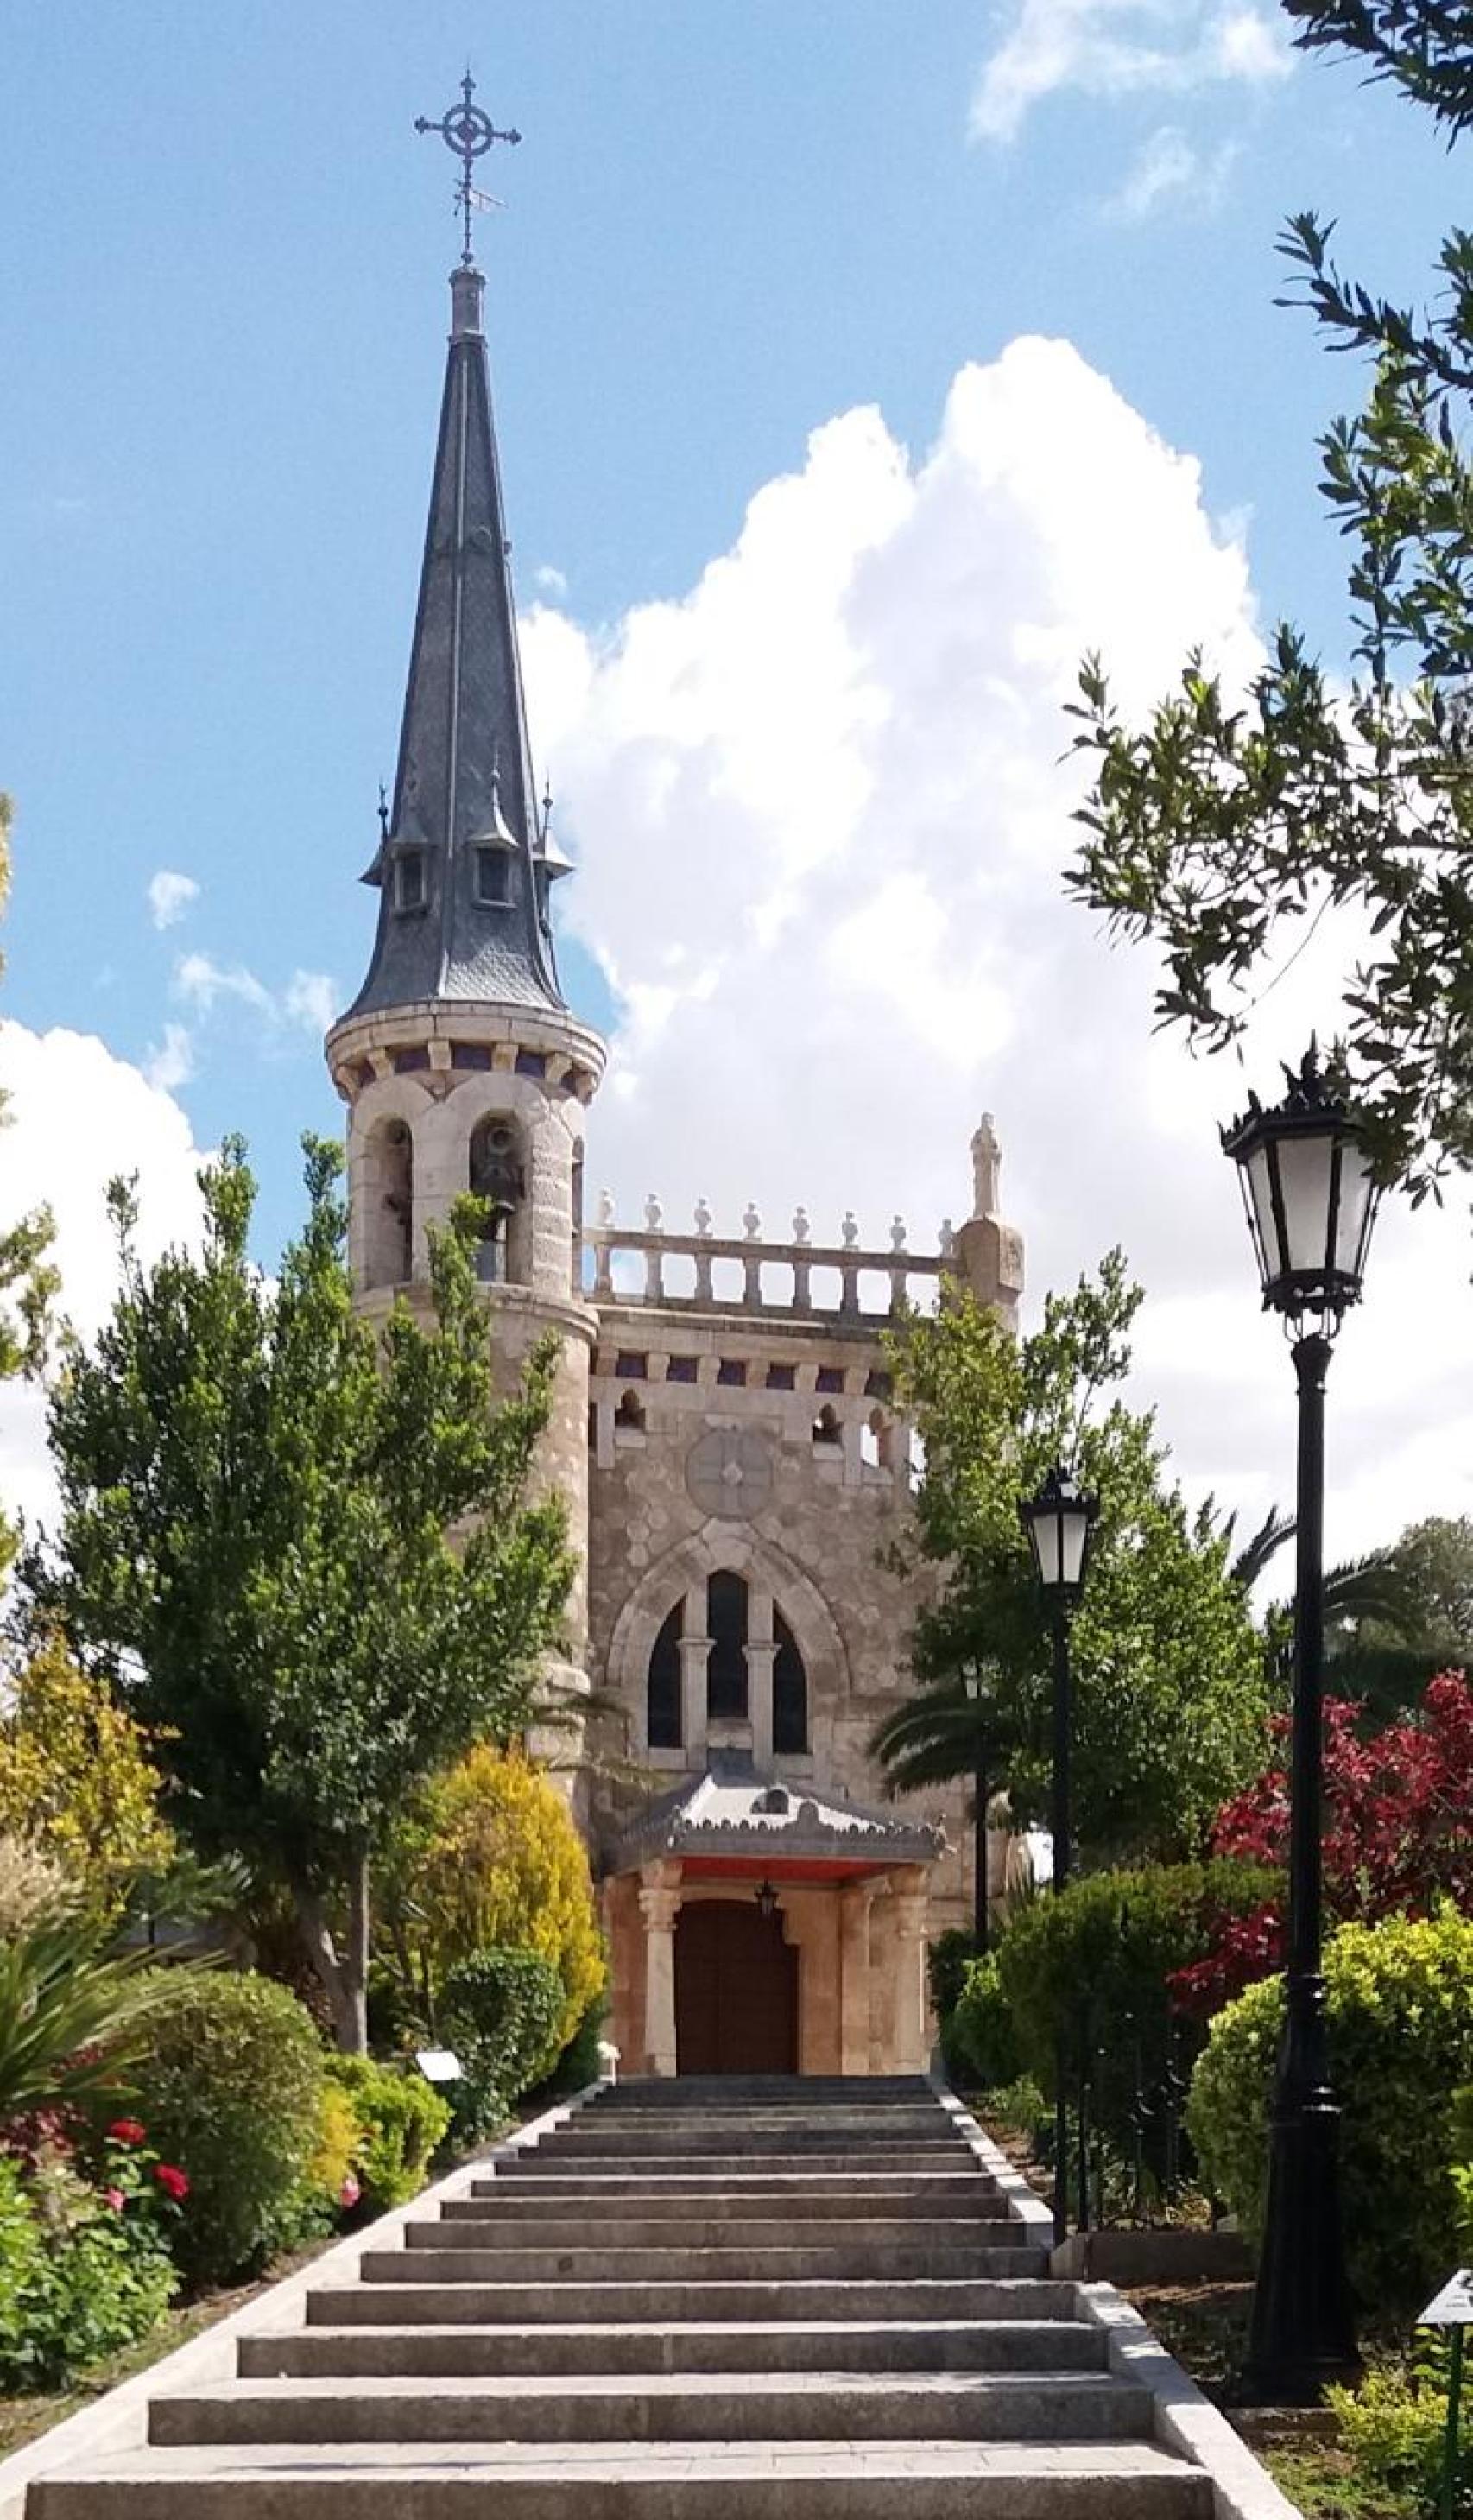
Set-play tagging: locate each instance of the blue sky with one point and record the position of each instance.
(223, 317)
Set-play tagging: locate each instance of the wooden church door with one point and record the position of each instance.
(735, 1991)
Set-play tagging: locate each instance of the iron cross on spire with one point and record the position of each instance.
(469, 133)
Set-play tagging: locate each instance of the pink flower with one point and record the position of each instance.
(173, 2181)
(114, 2196)
(126, 2131)
(349, 2192)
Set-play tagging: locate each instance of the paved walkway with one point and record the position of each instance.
(694, 2301)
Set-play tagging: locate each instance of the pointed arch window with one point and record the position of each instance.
(727, 1628)
(663, 1728)
(789, 1693)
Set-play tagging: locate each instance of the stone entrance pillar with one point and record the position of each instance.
(854, 1977)
(659, 1906)
(908, 1908)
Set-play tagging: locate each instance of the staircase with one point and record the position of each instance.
(694, 2301)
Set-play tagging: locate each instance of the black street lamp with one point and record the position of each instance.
(972, 1681)
(1060, 1523)
(1311, 1198)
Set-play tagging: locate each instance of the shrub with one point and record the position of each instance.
(947, 1962)
(1401, 2042)
(82, 2273)
(504, 2012)
(1093, 1965)
(400, 2117)
(494, 1860)
(329, 2186)
(580, 2062)
(980, 2036)
(72, 2021)
(1395, 2426)
(233, 2092)
(76, 1779)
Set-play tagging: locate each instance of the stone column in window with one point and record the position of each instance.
(854, 1977)
(659, 1906)
(694, 1655)
(909, 1903)
(761, 1654)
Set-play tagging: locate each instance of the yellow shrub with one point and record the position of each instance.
(499, 1861)
(75, 1776)
(340, 2139)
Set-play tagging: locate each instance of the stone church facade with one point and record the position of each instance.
(723, 1431)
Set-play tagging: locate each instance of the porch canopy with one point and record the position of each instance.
(840, 1981)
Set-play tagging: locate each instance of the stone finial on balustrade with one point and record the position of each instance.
(703, 1219)
(898, 1234)
(802, 1230)
(654, 1214)
(605, 1207)
(850, 1230)
(751, 1223)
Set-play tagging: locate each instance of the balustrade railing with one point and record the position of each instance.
(776, 1276)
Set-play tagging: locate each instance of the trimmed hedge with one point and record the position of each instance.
(1093, 1963)
(504, 2011)
(401, 2119)
(979, 2035)
(1400, 2001)
(232, 2091)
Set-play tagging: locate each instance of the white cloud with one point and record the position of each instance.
(1117, 48)
(171, 1063)
(311, 1000)
(1170, 168)
(170, 896)
(550, 581)
(79, 1117)
(202, 983)
(821, 819)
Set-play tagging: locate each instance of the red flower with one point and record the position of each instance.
(115, 2197)
(126, 2131)
(173, 2181)
(350, 2193)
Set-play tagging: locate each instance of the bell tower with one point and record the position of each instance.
(460, 1062)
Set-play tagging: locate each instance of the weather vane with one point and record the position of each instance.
(469, 133)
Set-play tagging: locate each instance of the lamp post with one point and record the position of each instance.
(972, 1681)
(1059, 1522)
(1311, 1201)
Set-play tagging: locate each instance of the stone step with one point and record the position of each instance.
(591, 2264)
(773, 2091)
(532, 2213)
(1025, 2293)
(681, 2166)
(703, 2142)
(652, 2481)
(713, 2121)
(480, 2226)
(966, 2198)
(814, 2406)
(896, 2345)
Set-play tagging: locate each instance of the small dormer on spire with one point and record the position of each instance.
(461, 866)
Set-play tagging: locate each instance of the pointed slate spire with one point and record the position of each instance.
(462, 872)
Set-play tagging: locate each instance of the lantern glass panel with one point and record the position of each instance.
(1357, 1198)
(1073, 1540)
(1046, 1534)
(1257, 1176)
(1306, 1167)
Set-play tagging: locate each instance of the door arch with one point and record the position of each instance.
(735, 1991)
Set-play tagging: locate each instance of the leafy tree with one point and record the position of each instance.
(299, 1547)
(76, 1779)
(1396, 1839)
(1227, 818)
(1170, 1694)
